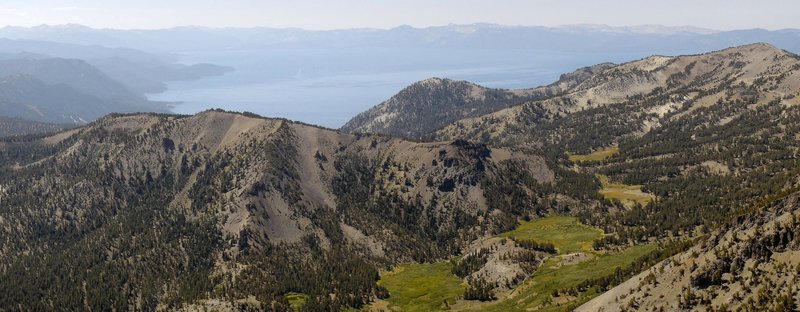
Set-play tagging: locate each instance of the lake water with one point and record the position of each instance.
(327, 87)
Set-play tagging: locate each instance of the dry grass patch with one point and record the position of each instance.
(627, 194)
(595, 156)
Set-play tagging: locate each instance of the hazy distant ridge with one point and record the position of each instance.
(569, 37)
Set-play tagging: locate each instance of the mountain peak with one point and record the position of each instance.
(758, 46)
(436, 81)
(750, 50)
(432, 80)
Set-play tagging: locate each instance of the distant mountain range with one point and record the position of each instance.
(139, 71)
(596, 38)
(75, 73)
(47, 82)
(64, 91)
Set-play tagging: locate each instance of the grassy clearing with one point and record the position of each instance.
(595, 156)
(297, 300)
(566, 233)
(627, 194)
(535, 293)
(422, 287)
(425, 287)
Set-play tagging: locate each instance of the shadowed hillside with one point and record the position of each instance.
(428, 105)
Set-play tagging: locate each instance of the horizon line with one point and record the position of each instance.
(601, 27)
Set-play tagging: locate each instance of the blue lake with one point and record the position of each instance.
(329, 86)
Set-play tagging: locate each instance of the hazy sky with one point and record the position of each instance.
(335, 14)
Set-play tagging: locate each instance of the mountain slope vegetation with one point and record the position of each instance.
(749, 264)
(239, 211)
(15, 127)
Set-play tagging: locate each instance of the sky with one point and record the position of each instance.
(341, 14)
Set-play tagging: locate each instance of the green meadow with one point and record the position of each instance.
(422, 287)
(297, 300)
(566, 233)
